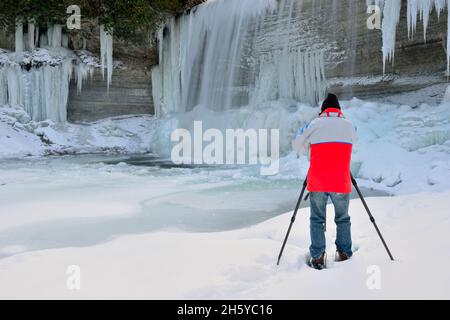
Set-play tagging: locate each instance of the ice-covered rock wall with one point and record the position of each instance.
(415, 9)
(220, 56)
(357, 60)
(38, 79)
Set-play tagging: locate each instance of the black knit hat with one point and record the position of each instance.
(331, 101)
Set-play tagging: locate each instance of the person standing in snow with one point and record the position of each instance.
(330, 139)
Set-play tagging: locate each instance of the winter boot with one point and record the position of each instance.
(341, 256)
(319, 263)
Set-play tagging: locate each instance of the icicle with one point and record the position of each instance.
(157, 90)
(448, 39)
(425, 11)
(109, 57)
(439, 5)
(82, 72)
(56, 36)
(423, 8)
(65, 40)
(49, 35)
(43, 40)
(31, 32)
(19, 37)
(42, 90)
(36, 36)
(106, 53)
(290, 75)
(3, 87)
(412, 11)
(391, 19)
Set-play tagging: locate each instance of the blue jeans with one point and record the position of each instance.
(318, 218)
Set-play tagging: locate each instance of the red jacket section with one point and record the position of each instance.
(329, 170)
(329, 139)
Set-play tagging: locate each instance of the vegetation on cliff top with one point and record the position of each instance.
(126, 17)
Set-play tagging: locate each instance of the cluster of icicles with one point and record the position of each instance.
(205, 58)
(415, 9)
(41, 85)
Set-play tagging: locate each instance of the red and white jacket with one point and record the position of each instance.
(330, 138)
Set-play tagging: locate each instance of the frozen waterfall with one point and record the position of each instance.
(42, 92)
(207, 57)
(38, 79)
(415, 9)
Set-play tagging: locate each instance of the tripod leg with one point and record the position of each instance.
(292, 220)
(372, 219)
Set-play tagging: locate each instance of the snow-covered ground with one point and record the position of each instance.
(22, 137)
(242, 263)
(87, 210)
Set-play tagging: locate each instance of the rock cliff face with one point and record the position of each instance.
(352, 53)
(129, 93)
(357, 53)
(130, 90)
(353, 57)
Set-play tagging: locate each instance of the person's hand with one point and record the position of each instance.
(297, 133)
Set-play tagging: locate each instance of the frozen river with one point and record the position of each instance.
(55, 202)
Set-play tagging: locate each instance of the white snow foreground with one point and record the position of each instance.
(242, 263)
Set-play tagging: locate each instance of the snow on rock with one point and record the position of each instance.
(20, 136)
(241, 264)
(399, 147)
(16, 134)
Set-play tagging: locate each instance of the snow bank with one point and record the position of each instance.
(241, 264)
(20, 136)
(401, 149)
